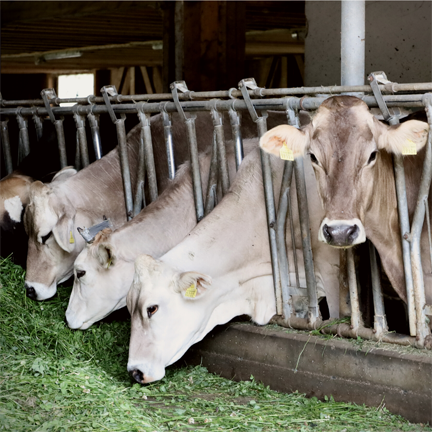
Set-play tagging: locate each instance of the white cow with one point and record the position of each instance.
(220, 270)
(104, 269)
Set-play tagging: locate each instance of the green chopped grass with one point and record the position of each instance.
(55, 379)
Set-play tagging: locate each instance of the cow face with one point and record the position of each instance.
(168, 315)
(102, 280)
(53, 243)
(347, 146)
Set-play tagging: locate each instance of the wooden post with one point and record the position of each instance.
(209, 44)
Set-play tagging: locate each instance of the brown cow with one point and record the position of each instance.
(351, 153)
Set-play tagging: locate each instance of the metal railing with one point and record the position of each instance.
(186, 103)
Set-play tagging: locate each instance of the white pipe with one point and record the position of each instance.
(353, 42)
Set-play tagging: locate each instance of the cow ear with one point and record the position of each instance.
(192, 285)
(405, 138)
(105, 254)
(295, 139)
(64, 233)
(64, 174)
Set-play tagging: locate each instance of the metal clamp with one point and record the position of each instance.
(175, 87)
(375, 78)
(107, 91)
(49, 96)
(244, 85)
(291, 112)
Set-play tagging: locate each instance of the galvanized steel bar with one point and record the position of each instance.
(77, 152)
(80, 125)
(211, 194)
(235, 121)
(222, 159)
(38, 125)
(423, 330)
(94, 126)
(166, 119)
(139, 190)
(193, 148)
(429, 231)
(356, 321)
(24, 136)
(148, 153)
(380, 321)
(6, 146)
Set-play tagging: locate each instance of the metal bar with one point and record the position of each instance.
(416, 229)
(225, 94)
(429, 231)
(308, 103)
(38, 125)
(166, 119)
(6, 146)
(306, 241)
(148, 154)
(94, 126)
(77, 152)
(58, 124)
(24, 136)
(139, 190)
(293, 242)
(280, 239)
(80, 125)
(353, 43)
(380, 321)
(211, 194)
(222, 159)
(235, 121)
(356, 321)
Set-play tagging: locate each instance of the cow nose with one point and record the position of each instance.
(138, 376)
(30, 292)
(340, 235)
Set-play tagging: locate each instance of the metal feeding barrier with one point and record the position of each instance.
(254, 102)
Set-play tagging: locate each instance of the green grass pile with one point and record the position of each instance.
(55, 379)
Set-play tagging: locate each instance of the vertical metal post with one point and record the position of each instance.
(24, 136)
(80, 125)
(38, 125)
(166, 119)
(235, 121)
(77, 152)
(148, 152)
(356, 321)
(211, 194)
(380, 321)
(220, 140)
(139, 190)
(6, 146)
(94, 126)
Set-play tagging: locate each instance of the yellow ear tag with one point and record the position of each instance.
(409, 148)
(109, 263)
(191, 291)
(71, 238)
(285, 153)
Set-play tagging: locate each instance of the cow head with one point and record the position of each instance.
(50, 222)
(102, 280)
(169, 314)
(347, 145)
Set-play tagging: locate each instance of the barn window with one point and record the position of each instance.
(76, 85)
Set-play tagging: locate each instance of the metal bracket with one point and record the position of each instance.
(291, 112)
(79, 121)
(175, 87)
(166, 118)
(107, 91)
(49, 96)
(244, 85)
(216, 115)
(375, 78)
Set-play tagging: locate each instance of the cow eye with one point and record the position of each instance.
(80, 273)
(151, 310)
(372, 157)
(313, 159)
(46, 237)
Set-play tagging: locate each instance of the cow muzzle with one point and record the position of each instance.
(38, 291)
(342, 233)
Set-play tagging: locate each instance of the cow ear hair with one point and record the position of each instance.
(64, 233)
(192, 285)
(296, 140)
(64, 174)
(304, 118)
(395, 139)
(105, 254)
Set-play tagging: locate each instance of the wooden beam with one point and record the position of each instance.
(146, 78)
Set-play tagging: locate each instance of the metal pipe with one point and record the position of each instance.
(166, 119)
(58, 124)
(380, 321)
(94, 126)
(80, 125)
(353, 43)
(293, 242)
(148, 154)
(416, 230)
(356, 320)
(77, 152)
(235, 121)
(139, 190)
(38, 125)
(24, 137)
(6, 146)
(222, 159)
(211, 194)
(281, 242)
(124, 163)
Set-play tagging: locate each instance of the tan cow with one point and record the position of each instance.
(351, 153)
(220, 270)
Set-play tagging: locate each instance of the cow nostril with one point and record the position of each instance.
(138, 376)
(326, 232)
(30, 292)
(353, 232)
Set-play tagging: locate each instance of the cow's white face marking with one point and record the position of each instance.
(14, 207)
